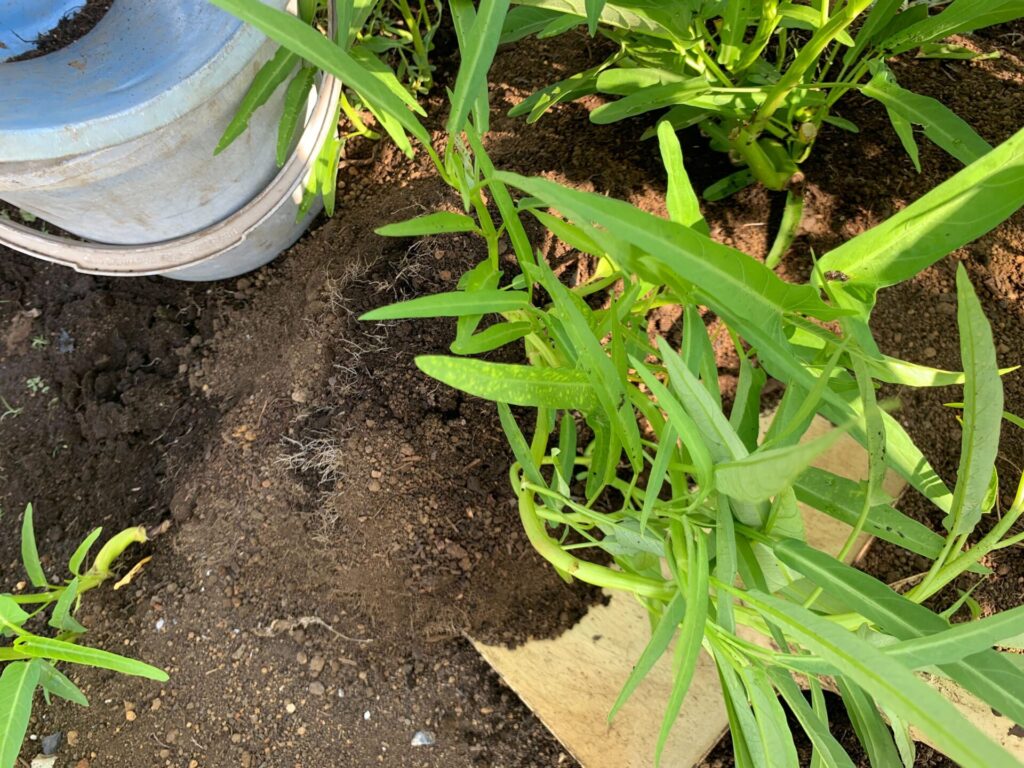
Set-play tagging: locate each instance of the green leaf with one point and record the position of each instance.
(680, 199)
(982, 414)
(17, 685)
(990, 677)
(941, 124)
(541, 101)
(882, 12)
(729, 186)
(829, 751)
(489, 338)
(294, 110)
(62, 618)
(1005, 629)
(751, 298)
(659, 469)
(746, 406)
(56, 683)
(867, 722)
(479, 47)
(773, 731)
(892, 685)
(11, 613)
(698, 353)
(734, 26)
(594, 10)
(654, 650)
(29, 553)
(650, 99)
(960, 210)
(767, 472)
(437, 223)
(267, 80)
(292, 32)
(58, 650)
(682, 424)
(717, 433)
(520, 448)
(691, 632)
(453, 304)
(637, 17)
(514, 384)
(75, 563)
(959, 16)
(843, 499)
(522, 22)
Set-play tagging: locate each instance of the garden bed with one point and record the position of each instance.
(340, 523)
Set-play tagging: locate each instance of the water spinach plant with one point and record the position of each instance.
(371, 32)
(633, 474)
(38, 644)
(761, 78)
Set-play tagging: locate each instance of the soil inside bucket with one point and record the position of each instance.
(338, 522)
(72, 27)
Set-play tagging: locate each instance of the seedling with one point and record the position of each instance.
(9, 410)
(36, 385)
(40, 342)
(31, 659)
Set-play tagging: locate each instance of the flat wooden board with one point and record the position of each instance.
(572, 681)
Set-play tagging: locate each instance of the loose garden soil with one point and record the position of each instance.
(72, 27)
(337, 522)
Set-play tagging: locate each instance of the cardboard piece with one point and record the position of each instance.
(571, 682)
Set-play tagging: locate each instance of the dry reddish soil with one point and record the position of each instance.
(338, 523)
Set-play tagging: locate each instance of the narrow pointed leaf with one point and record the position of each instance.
(17, 685)
(29, 553)
(452, 304)
(512, 384)
(58, 650)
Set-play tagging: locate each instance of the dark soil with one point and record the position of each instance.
(338, 523)
(71, 28)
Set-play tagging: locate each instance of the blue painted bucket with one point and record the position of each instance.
(112, 139)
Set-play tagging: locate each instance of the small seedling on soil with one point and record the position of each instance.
(36, 385)
(40, 342)
(9, 410)
(44, 633)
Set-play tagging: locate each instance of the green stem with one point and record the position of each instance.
(766, 26)
(788, 228)
(597, 575)
(942, 573)
(807, 58)
(422, 57)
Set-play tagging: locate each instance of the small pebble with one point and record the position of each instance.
(72, 738)
(316, 688)
(423, 739)
(51, 743)
(316, 665)
(300, 396)
(289, 708)
(366, 715)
